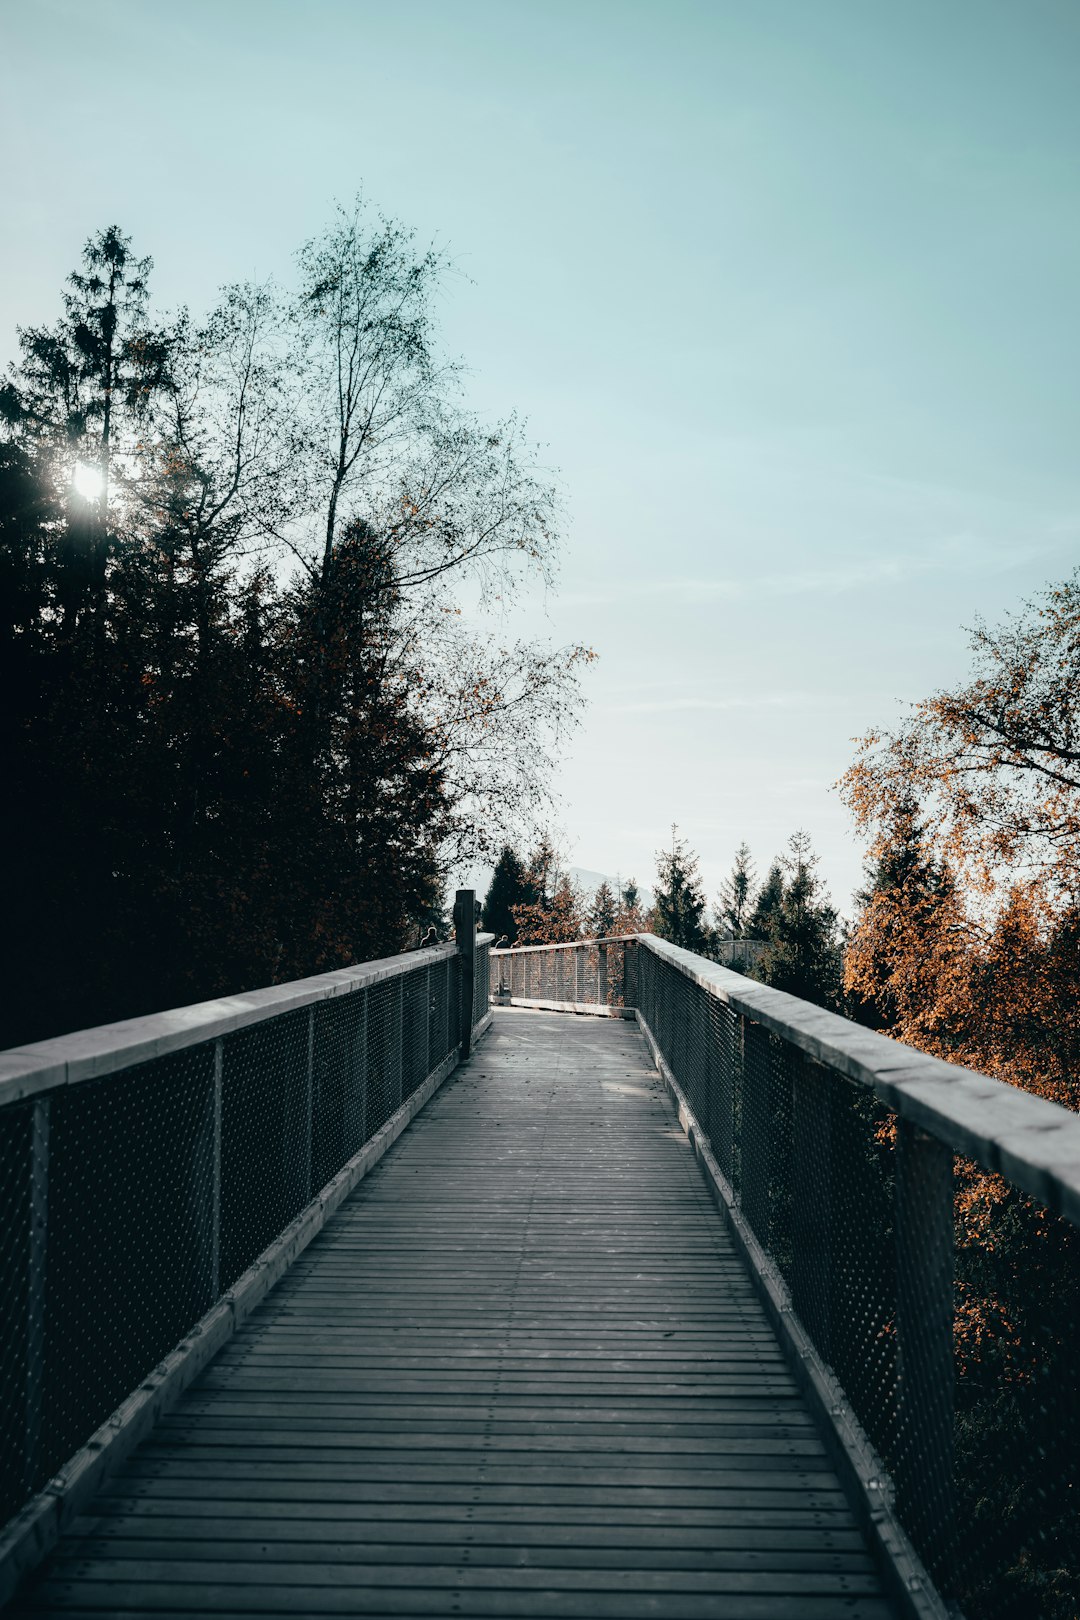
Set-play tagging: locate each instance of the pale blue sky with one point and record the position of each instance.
(788, 289)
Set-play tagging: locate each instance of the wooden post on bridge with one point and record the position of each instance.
(465, 937)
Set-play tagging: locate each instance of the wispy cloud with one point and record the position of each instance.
(677, 705)
(956, 553)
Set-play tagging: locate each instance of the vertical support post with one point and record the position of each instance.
(431, 1059)
(307, 1168)
(601, 975)
(738, 1108)
(812, 1193)
(723, 1038)
(924, 1333)
(215, 1172)
(757, 1132)
(630, 973)
(465, 936)
(483, 976)
(37, 1253)
(697, 1057)
(358, 1078)
(449, 1011)
(397, 1045)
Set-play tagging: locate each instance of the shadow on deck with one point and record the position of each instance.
(522, 1373)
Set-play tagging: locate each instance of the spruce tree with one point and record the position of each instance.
(760, 922)
(735, 902)
(542, 873)
(680, 904)
(508, 888)
(601, 920)
(78, 397)
(803, 953)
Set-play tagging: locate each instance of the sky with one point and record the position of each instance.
(787, 290)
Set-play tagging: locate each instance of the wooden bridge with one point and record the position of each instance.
(565, 1346)
(521, 1373)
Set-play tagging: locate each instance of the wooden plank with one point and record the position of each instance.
(522, 1373)
(791, 1538)
(419, 1516)
(511, 1552)
(231, 1602)
(317, 1575)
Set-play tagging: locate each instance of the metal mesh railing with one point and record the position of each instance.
(944, 1299)
(133, 1194)
(589, 974)
(919, 1224)
(481, 975)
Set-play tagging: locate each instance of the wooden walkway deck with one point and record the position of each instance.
(522, 1373)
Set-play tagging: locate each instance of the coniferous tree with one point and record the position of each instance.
(244, 732)
(803, 955)
(601, 919)
(629, 918)
(509, 887)
(568, 915)
(680, 904)
(542, 872)
(760, 922)
(736, 899)
(78, 397)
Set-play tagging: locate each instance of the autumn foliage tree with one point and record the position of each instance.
(631, 916)
(966, 945)
(602, 912)
(966, 937)
(557, 913)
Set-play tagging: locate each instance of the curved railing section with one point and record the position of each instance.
(913, 1227)
(587, 976)
(158, 1175)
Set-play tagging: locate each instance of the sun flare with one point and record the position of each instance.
(88, 481)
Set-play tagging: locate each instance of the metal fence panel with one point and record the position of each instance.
(131, 1201)
(944, 1301)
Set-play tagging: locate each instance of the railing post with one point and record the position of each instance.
(924, 1333)
(813, 1255)
(397, 1057)
(449, 1011)
(465, 936)
(755, 1128)
(309, 1107)
(35, 1288)
(630, 973)
(601, 975)
(357, 1110)
(215, 1172)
